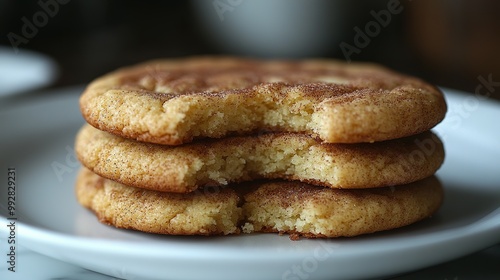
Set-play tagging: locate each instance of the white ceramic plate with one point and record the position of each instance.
(37, 140)
(24, 70)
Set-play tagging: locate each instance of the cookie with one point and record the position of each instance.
(159, 212)
(305, 210)
(174, 101)
(285, 207)
(244, 158)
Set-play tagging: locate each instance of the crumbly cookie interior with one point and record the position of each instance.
(284, 207)
(174, 102)
(285, 156)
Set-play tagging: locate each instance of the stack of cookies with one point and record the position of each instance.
(224, 145)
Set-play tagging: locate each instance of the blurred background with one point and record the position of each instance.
(451, 43)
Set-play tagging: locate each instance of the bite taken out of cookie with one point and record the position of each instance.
(175, 101)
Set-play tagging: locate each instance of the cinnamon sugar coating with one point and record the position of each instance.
(295, 208)
(178, 100)
(274, 156)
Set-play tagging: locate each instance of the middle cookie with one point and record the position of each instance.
(184, 168)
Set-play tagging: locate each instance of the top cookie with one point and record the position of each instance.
(175, 101)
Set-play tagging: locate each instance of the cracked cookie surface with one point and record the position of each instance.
(175, 101)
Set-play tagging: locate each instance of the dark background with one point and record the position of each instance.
(448, 43)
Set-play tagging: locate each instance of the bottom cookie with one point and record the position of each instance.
(295, 208)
